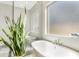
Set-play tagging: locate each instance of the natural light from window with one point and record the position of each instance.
(63, 17)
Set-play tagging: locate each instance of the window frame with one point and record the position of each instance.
(46, 18)
(47, 22)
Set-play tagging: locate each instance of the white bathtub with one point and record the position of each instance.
(47, 49)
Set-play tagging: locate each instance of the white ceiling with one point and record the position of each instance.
(20, 4)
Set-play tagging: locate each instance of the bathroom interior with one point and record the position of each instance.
(49, 28)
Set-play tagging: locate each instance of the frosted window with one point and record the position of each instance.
(63, 17)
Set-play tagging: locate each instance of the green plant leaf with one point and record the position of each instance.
(0, 40)
(7, 34)
(7, 21)
(7, 44)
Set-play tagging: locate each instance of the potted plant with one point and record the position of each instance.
(16, 37)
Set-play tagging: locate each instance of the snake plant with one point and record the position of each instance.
(16, 36)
